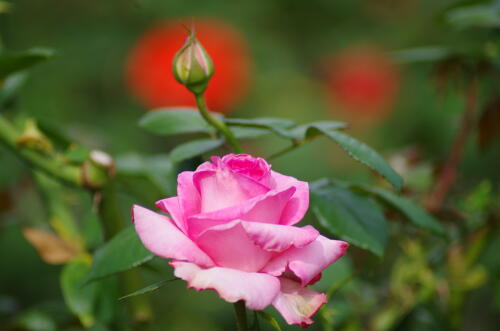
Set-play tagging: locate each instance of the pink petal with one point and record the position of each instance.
(164, 239)
(267, 208)
(297, 304)
(256, 289)
(307, 262)
(298, 204)
(172, 206)
(277, 238)
(254, 167)
(229, 246)
(188, 195)
(220, 189)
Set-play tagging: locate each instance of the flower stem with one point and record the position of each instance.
(130, 280)
(448, 173)
(241, 315)
(216, 123)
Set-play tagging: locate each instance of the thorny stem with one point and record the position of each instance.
(448, 173)
(285, 150)
(241, 315)
(66, 173)
(216, 123)
(295, 144)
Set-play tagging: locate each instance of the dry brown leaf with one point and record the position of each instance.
(49, 246)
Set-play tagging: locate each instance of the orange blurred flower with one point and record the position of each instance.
(149, 67)
(362, 82)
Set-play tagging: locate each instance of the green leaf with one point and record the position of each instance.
(351, 216)
(79, 299)
(476, 16)
(193, 148)
(34, 320)
(413, 212)
(311, 130)
(172, 121)
(356, 149)
(106, 309)
(248, 133)
(14, 62)
(77, 154)
(147, 289)
(92, 231)
(122, 252)
(278, 126)
(10, 87)
(270, 319)
(421, 54)
(366, 155)
(156, 170)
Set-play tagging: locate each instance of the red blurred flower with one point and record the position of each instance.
(363, 82)
(149, 67)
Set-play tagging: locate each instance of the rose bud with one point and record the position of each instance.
(192, 66)
(149, 75)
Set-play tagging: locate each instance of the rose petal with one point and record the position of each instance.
(277, 238)
(298, 204)
(172, 206)
(307, 262)
(266, 208)
(297, 304)
(164, 239)
(188, 195)
(254, 167)
(229, 246)
(222, 188)
(256, 289)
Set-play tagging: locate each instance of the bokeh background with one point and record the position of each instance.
(303, 60)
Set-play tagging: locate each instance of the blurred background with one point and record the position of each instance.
(382, 66)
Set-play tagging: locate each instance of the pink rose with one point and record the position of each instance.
(232, 230)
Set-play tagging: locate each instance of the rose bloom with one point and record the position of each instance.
(231, 229)
(362, 82)
(149, 66)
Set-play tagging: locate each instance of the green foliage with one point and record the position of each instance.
(10, 87)
(149, 288)
(193, 148)
(122, 252)
(413, 212)
(304, 133)
(79, 298)
(172, 121)
(475, 16)
(18, 61)
(36, 321)
(277, 126)
(312, 130)
(366, 155)
(421, 54)
(350, 216)
(270, 319)
(146, 177)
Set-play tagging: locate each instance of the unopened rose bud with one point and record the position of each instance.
(97, 170)
(192, 66)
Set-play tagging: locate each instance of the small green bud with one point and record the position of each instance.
(192, 66)
(97, 170)
(33, 138)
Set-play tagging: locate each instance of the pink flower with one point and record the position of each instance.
(232, 230)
